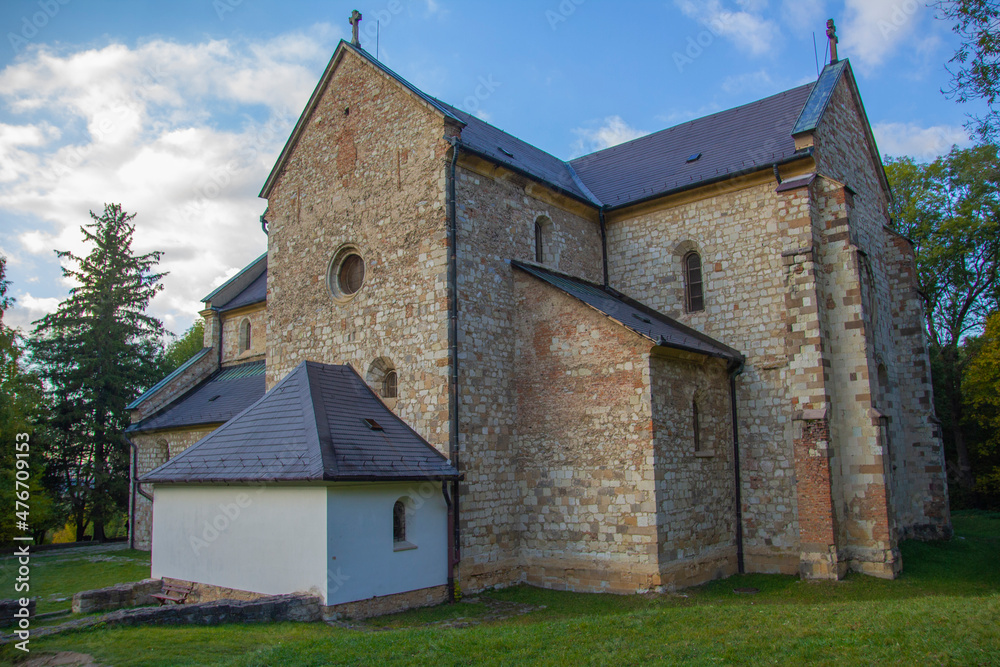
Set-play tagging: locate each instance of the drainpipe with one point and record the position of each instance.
(453, 395)
(134, 488)
(604, 246)
(736, 368)
(263, 221)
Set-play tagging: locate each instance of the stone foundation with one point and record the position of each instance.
(208, 593)
(387, 604)
(133, 594)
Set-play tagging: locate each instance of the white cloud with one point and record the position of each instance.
(745, 28)
(614, 131)
(182, 134)
(27, 309)
(874, 28)
(922, 143)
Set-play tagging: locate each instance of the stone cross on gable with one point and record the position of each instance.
(355, 22)
(831, 34)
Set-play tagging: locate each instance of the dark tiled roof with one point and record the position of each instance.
(310, 426)
(159, 385)
(255, 292)
(749, 137)
(216, 400)
(229, 289)
(657, 327)
(498, 146)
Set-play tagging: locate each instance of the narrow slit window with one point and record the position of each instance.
(539, 243)
(697, 426)
(694, 295)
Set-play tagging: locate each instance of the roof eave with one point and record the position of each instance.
(535, 177)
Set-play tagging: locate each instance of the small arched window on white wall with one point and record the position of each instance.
(694, 287)
(245, 335)
(399, 528)
(543, 240)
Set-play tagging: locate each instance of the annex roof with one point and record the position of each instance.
(641, 319)
(319, 423)
(255, 292)
(235, 286)
(216, 400)
(198, 356)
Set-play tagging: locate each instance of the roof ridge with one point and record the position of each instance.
(324, 439)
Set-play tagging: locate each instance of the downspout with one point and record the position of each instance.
(453, 444)
(263, 222)
(604, 245)
(736, 368)
(135, 488)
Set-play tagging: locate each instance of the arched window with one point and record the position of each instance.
(389, 385)
(399, 522)
(383, 378)
(245, 335)
(543, 240)
(694, 296)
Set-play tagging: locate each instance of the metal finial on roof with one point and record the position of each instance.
(355, 22)
(831, 34)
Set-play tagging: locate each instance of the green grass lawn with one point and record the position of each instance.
(944, 609)
(56, 575)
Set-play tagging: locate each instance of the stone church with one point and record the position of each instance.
(694, 354)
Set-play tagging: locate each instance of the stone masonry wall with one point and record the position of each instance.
(155, 449)
(584, 447)
(920, 486)
(843, 154)
(741, 241)
(496, 217)
(368, 170)
(695, 504)
(231, 322)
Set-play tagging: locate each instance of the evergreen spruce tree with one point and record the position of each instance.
(98, 351)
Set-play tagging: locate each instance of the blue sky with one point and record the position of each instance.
(177, 110)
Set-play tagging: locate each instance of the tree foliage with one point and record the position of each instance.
(950, 209)
(184, 347)
(98, 351)
(976, 64)
(20, 409)
(980, 388)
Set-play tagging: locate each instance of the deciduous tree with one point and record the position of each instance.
(975, 67)
(950, 209)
